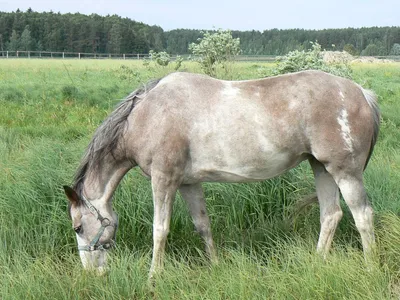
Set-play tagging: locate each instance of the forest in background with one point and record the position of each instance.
(50, 31)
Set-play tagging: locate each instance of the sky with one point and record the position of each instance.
(234, 15)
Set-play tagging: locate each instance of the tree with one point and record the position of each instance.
(373, 50)
(14, 41)
(349, 48)
(395, 49)
(25, 42)
(39, 46)
(1, 43)
(114, 39)
(215, 48)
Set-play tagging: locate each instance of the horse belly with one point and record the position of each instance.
(236, 165)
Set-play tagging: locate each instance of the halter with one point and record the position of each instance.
(105, 222)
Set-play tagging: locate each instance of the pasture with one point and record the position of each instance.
(48, 111)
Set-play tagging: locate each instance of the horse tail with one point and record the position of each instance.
(372, 101)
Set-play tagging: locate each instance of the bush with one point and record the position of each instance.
(215, 48)
(163, 59)
(312, 59)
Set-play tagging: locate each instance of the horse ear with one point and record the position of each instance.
(71, 195)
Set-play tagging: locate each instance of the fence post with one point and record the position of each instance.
(17, 53)
(124, 55)
(7, 54)
(79, 55)
(29, 54)
(63, 55)
(138, 56)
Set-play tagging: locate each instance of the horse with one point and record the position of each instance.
(185, 129)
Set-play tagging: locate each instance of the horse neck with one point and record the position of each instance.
(100, 183)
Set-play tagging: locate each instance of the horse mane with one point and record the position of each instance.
(107, 135)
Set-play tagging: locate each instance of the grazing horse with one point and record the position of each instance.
(185, 129)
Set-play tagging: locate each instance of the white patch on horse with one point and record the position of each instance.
(345, 129)
(229, 90)
(341, 95)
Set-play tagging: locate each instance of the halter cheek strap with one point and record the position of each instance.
(105, 222)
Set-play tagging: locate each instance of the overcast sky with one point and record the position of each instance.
(234, 15)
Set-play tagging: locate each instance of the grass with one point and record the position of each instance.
(50, 108)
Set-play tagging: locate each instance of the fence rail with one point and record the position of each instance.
(65, 55)
(131, 56)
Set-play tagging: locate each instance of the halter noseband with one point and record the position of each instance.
(105, 222)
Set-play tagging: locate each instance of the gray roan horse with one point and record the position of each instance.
(185, 129)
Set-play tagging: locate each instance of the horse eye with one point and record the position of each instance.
(78, 229)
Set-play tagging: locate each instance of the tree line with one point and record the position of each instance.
(49, 31)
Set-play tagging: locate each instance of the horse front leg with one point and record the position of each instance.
(164, 191)
(194, 197)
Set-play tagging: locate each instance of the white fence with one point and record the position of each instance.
(65, 55)
(135, 56)
(82, 55)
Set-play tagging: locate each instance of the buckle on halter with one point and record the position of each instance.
(105, 222)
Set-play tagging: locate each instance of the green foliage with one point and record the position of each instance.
(127, 73)
(100, 34)
(373, 50)
(115, 39)
(178, 62)
(162, 59)
(25, 42)
(395, 49)
(80, 33)
(215, 48)
(349, 48)
(309, 60)
(13, 45)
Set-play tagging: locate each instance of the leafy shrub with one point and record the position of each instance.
(312, 59)
(126, 73)
(215, 48)
(178, 62)
(162, 59)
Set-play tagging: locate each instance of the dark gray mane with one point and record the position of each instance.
(107, 135)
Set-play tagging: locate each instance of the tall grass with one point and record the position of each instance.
(49, 109)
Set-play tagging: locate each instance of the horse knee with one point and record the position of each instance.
(332, 216)
(202, 229)
(364, 219)
(160, 234)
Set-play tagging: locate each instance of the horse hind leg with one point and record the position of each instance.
(194, 197)
(348, 177)
(330, 211)
(355, 196)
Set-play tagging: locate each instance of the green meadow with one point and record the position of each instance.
(48, 111)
